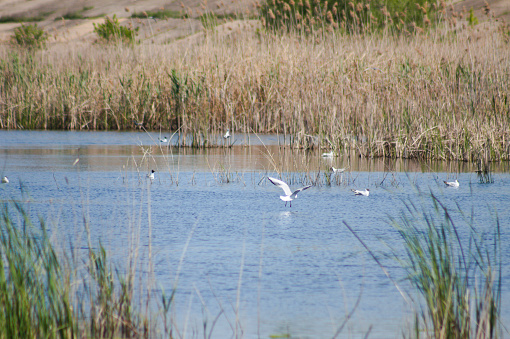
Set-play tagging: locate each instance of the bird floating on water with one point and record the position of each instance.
(289, 196)
(452, 183)
(338, 170)
(328, 155)
(5, 180)
(366, 192)
(163, 140)
(227, 135)
(151, 175)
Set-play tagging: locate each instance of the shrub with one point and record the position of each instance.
(350, 15)
(30, 36)
(472, 19)
(111, 30)
(72, 16)
(161, 14)
(18, 18)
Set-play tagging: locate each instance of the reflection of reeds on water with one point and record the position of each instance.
(484, 172)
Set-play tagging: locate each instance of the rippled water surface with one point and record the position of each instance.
(216, 228)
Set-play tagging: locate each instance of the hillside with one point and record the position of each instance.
(93, 11)
(86, 13)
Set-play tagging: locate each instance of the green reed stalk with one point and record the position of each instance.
(41, 294)
(34, 287)
(459, 279)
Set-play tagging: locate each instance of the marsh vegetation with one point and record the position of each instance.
(360, 81)
(439, 93)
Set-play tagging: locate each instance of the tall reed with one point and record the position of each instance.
(34, 287)
(454, 268)
(47, 293)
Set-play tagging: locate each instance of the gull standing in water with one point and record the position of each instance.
(366, 192)
(452, 183)
(151, 175)
(338, 170)
(227, 135)
(289, 196)
(5, 180)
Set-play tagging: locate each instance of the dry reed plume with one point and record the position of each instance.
(437, 95)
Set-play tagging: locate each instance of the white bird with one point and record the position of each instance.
(151, 175)
(5, 180)
(163, 140)
(328, 155)
(227, 135)
(452, 183)
(289, 196)
(366, 192)
(338, 170)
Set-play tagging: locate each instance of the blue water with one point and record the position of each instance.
(231, 247)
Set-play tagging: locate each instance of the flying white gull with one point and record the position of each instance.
(151, 175)
(452, 183)
(366, 192)
(227, 135)
(289, 196)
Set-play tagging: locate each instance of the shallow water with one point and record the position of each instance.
(216, 227)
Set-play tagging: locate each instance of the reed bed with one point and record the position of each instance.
(440, 94)
(48, 291)
(454, 270)
(457, 276)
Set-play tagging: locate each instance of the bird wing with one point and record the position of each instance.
(294, 195)
(281, 184)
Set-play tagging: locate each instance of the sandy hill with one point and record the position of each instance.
(152, 31)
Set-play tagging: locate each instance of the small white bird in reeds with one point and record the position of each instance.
(452, 183)
(151, 175)
(289, 195)
(5, 180)
(365, 193)
(328, 155)
(338, 170)
(163, 140)
(227, 134)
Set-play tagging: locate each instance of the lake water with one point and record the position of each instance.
(215, 227)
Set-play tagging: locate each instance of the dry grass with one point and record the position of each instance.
(437, 95)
